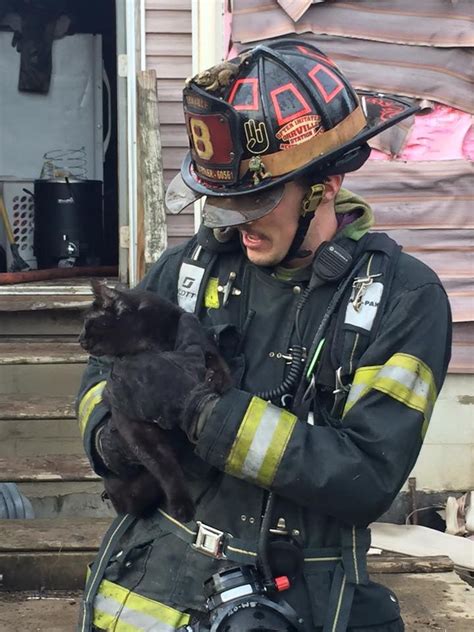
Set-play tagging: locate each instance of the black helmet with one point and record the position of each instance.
(273, 114)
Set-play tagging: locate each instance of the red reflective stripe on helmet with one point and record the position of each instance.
(294, 90)
(311, 53)
(253, 81)
(328, 97)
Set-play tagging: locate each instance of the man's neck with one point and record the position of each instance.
(322, 228)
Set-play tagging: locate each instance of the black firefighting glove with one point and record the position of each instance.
(113, 451)
(169, 388)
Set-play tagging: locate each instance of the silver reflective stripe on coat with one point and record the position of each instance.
(261, 442)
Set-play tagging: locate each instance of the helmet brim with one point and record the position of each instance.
(179, 196)
(223, 212)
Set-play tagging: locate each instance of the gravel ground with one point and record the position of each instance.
(431, 602)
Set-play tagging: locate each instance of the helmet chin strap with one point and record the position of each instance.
(310, 203)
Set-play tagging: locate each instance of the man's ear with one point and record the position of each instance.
(332, 185)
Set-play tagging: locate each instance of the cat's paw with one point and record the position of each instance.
(183, 509)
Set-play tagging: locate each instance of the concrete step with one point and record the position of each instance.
(67, 499)
(57, 485)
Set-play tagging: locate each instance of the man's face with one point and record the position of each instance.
(268, 239)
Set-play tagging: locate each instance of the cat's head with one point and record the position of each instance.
(111, 326)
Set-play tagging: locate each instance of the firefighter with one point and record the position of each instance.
(338, 344)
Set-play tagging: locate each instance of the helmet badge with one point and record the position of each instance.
(256, 136)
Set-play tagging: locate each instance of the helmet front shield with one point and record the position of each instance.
(225, 211)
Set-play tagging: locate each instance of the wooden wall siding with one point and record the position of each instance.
(427, 207)
(419, 49)
(168, 26)
(439, 23)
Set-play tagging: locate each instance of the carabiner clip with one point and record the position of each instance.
(340, 392)
(310, 390)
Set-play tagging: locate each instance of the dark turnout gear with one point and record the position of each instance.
(331, 472)
(335, 371)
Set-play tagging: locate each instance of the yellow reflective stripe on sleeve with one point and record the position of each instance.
(117, 608)
(404, 378)
(88, 402)
(260, 442)
(211, 295)
(361, 383)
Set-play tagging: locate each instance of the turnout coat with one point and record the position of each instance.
(332, 472)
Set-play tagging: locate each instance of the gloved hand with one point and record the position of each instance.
(114, 452)
(167, 387)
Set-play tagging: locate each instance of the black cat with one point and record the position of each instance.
(123, 322)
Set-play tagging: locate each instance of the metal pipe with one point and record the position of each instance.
(132, 139)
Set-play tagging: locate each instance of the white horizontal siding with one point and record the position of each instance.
(168, 25)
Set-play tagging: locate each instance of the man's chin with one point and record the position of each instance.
(266, 259)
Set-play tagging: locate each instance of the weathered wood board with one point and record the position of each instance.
(46, 468)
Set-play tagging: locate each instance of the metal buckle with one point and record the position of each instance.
(209, 541)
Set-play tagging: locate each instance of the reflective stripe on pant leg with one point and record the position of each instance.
(260, 442)
(122, 610)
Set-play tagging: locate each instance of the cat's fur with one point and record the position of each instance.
(123, 322)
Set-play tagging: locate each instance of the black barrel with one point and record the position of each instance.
(68, 222)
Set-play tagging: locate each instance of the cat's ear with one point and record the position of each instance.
(103, 294)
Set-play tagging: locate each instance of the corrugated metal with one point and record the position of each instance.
(169, 52)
